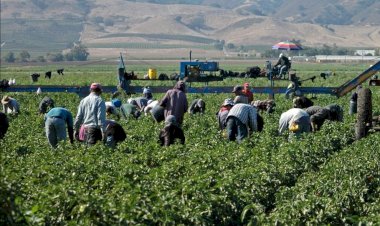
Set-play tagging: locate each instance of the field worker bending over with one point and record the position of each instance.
(175, 102)
(114, 133)
(55, 125)
(112, 106)
(295, 120)
(147, 92)
(45, 104)
(10, 105)
(240, 97)
(170, 132)
(264, 105)
(4, 125)
(92, 114)
(197, 106)
(241, 121)
(139, 102)
(128, 110)
(155, 110)
(223, 113)
(302, 102)
(318, 115)
(247, 92)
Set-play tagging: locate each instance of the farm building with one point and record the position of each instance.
(338, 58)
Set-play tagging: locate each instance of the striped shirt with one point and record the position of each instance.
(246, 113)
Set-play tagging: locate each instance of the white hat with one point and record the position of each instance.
(228, 101)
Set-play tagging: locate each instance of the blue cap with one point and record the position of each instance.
(116, 102)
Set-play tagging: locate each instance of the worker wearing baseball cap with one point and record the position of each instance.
(92, 114)
(240, 97)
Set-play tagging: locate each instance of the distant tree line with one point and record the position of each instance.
(76, 53)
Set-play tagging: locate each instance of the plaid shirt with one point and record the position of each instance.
(246, 113)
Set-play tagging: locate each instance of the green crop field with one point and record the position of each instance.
(323, 178)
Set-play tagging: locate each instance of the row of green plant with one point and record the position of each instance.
(206, 181)
(344, 191)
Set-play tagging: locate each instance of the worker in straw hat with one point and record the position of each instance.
(92, 114)
(10, 105)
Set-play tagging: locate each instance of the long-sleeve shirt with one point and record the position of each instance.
(11, 107)
(175, 103)
(62, 113)
(91, 112)
(290, 116)
(246, 113)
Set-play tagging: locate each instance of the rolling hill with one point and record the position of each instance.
(108, 26)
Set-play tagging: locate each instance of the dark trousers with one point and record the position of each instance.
(93, 135)
(236, 130)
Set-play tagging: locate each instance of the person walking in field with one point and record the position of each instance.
(318, 115)
(45, 104)
(92, 114)
(4, 125)
(10, 105)
(296, 120)
(197, 106)
(175, 102)
(241, 121)
(55, 125)
(171, 132)
(240, 97)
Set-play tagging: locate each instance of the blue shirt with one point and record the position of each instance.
(62, 113)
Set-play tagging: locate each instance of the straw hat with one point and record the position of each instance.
(5, 100)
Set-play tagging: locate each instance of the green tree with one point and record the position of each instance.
(40, 59)
(55, 57)
(69, 56)
(9, 57)
(24, 56)
(79, 52)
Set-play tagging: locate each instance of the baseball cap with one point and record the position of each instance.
(116, 102)
(237, 89)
